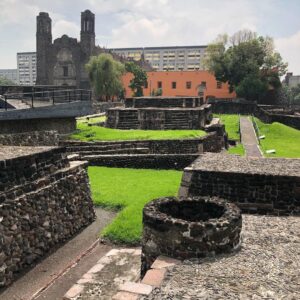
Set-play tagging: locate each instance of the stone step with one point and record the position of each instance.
(107, 147)
(117, 151)
(104, 280)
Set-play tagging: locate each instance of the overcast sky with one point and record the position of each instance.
(135, 23)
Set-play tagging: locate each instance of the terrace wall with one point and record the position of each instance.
(44, 202)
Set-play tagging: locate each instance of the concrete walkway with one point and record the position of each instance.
(249, 139)
(51, 269)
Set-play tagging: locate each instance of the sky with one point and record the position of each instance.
(142, 23)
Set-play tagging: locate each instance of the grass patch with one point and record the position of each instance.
(97, 133)
(129, 190)
(238, 149)
(231, 123)
(284, 139)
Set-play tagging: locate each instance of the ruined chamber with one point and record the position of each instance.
(189, 228)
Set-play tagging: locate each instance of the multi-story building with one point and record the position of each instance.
(26, 62)
(181, 84)
(10, 74)
(291, 80)
(185, 58)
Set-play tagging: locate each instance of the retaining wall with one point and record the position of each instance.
(44, 202)
(266, 185)
(34, 138)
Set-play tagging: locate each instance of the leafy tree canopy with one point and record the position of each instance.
(105, 76)
(249, 63)
(5, 81)
(139, 80)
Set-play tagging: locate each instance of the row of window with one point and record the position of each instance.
(188, 85)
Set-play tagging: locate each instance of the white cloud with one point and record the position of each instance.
(289, 48)
(62, 27)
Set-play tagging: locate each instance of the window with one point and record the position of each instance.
(174, 85)
(65, 71)
(203, 84)
(188, 84)
(146, 85)
(219, 84)
(159, 84)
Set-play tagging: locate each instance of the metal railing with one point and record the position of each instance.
(46, 98)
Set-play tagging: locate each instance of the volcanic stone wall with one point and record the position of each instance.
(44, 202)
(266, 185)
(34, 138)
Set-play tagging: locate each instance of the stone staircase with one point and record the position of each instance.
(177, 120)
(128, 120)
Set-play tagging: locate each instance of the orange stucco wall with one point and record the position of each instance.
(181, 77)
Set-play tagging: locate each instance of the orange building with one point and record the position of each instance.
(182, 83)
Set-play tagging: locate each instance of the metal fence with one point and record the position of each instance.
(47, 98)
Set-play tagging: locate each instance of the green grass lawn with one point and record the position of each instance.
(231, 123)
(238, 149)
(97, 133)
(284, 139)
(129, 190)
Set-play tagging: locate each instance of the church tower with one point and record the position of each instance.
(43, 47)
(87, 33)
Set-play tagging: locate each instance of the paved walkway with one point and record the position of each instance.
(49, 268)
(249, 139)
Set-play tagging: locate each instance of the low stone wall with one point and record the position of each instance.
(232, 107)
(163, 102)
(142, 161)
(35, 138)
(266, 185)
(269, 117)
(99, 107)
(159, 118)
(61, 125)
(44, 202)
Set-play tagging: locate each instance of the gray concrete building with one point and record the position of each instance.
(26, 63)
(10, 74)
(291, 80)
(174, 58)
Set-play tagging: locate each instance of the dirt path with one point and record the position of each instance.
(43, 273)
(249, 139)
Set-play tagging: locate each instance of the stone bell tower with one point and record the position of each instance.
(87, 33)
(43, 46)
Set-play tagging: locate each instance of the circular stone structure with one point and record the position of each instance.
(189, 228)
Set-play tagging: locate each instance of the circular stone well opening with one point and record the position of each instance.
(189, 228)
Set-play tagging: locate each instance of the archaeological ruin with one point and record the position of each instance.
(160, 113)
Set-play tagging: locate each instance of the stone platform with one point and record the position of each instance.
(44, 199)
(256, 185)
(160, 113)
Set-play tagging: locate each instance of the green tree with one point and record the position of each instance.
(139, 78)
(105, 76)
(5, 81)
(247, 62)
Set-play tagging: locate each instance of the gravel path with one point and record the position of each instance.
(248, 136)
(266, 267)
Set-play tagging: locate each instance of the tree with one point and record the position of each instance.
(247, 62)
(139, 80)
(105, 76)
(290, 95)
(5, 81)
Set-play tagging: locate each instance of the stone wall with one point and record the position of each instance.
(34, 138)
(99, 107)
(232, 106)
(265, 185)
(159, 118)
(44, 202)
(163, 102)
(269, 117)
(61, 125)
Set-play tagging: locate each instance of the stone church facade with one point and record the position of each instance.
(63, 61)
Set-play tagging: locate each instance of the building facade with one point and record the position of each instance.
(291, 80)
(182, 83)
(26, 63)
(62, 62)
(184, 58)
(10, 74)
